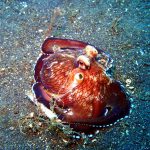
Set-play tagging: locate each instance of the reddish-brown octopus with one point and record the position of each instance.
(71, 77)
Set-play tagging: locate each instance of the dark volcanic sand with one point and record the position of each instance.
(118, 26)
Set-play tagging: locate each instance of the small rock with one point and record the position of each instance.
(131, 87)
(94, 140)
(127, 132)
(65, 141)
(11, 128)
(40, 30)
(40, 123)
(128, 81)
(31, 115)
(31, 125)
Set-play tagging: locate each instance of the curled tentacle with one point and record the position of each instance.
(41, 95)
(48, 44)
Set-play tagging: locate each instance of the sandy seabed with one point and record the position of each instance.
(119, 27)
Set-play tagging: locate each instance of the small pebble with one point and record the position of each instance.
(40, 123)
(131, 87)
(94, 140)
(90, 135)
(31, 115)
(40, 30)
(11, 128)
(128, 81)
(65, 141)
(30, 125)
(127, 132)
(24, 4)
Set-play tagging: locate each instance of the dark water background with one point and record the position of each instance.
(121, 27)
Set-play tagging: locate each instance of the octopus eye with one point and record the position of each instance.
(79, 77)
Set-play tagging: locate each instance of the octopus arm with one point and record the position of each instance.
(117, 106)
(41, 94)
(48, 44)
(62, 43)
(98, 106)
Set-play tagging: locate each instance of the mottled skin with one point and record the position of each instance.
(84, 96)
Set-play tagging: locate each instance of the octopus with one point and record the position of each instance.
(72, 84)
